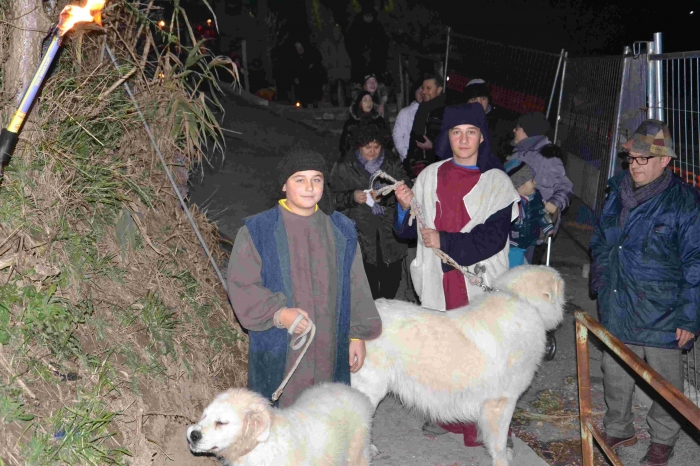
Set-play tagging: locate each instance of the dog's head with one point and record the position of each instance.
(542, 286)
(232, 425)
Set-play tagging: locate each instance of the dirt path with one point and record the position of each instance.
(246, 184)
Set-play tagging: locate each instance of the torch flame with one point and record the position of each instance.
(73, 14)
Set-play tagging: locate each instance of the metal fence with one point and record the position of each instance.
(585, 131)
(680, 77)
(520, 80)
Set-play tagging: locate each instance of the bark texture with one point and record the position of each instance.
(30, 24)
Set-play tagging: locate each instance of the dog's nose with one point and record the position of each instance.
(196, 435)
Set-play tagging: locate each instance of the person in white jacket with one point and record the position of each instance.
(404, 123)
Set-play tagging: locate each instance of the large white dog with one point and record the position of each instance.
(470, 364)
(328, 425)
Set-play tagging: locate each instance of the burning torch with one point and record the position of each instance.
(69, 17)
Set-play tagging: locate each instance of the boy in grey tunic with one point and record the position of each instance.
(312, 248)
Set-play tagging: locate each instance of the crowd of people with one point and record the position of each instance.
(492, 191)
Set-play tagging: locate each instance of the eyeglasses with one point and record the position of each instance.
(640, 160)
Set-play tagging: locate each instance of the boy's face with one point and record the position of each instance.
(304, 189)
(528, 189)
(464, 142)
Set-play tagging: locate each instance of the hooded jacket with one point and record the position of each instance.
(647, 274)
(552, 182)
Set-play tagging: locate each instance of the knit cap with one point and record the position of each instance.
(299, 160)
(519, 172)
(534, 124)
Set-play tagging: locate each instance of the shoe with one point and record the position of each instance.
(615, 442)
(432, 428)
(658, 454)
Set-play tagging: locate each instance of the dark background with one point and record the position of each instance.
(582, 27)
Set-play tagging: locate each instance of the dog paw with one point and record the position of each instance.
(373, 450)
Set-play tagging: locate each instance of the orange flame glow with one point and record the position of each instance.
(73, 14)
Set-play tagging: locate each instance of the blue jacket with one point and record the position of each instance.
(531, 222)
(267, 354)
(647, 274)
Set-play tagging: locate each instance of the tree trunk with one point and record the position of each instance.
(30, 26)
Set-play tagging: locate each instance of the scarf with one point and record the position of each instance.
(631, 198)
(371, 166)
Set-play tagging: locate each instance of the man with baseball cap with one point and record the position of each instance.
(645, 269)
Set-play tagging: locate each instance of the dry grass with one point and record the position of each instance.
(114, 328)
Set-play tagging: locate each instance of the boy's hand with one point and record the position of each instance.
(404, 195)
(357, 354)
(431, 238)
(289, 315)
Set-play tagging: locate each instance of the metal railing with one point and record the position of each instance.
(584, 324)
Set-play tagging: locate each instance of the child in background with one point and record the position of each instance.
(532, 223)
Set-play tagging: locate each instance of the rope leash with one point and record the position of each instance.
(299, 341)
(476, 278)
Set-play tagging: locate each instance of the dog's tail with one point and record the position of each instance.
(541, 286)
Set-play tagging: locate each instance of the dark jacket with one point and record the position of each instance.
(530, 224)
(349, 176)
(647, 274)
(268, 349)
(427, 122)
(356, 119)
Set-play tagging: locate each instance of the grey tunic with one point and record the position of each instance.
(314, 284)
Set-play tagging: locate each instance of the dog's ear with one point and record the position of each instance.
(257, 424)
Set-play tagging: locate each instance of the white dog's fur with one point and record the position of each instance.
(328, 425)
(469, 364)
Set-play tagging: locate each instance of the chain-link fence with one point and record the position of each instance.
(520, 79)
(585, 131)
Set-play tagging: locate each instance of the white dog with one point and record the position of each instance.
(470, 364)
(328, 425)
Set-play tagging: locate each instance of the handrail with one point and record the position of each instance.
(584, 323)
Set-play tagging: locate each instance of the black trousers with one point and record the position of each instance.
(384, 279)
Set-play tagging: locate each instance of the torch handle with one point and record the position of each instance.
(10, 135)
(8, 141)
(29, 96)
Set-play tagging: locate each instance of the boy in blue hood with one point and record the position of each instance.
(467, 203)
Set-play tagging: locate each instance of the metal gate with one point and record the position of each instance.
(585, 132)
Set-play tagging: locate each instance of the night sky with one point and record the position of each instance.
(582, 27)
(590, 27)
